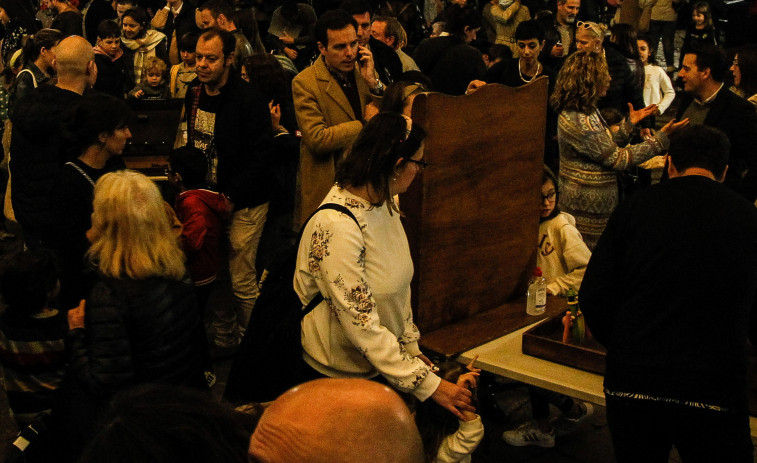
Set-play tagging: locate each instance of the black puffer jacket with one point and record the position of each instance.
(139, 331)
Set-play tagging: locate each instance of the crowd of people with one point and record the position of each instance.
(287, 106)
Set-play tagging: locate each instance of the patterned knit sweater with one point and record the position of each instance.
(589, 159)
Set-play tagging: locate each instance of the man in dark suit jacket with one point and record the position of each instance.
(177, 16)
(386, 60)
(709, 102)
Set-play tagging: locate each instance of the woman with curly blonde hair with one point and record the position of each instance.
(141, 323)
(590, 154)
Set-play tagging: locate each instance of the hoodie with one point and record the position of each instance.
(202, 213)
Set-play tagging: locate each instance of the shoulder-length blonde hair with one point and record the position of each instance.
(580, 82)
(131, 234)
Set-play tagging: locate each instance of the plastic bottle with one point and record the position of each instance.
(537, 293)
(578, 324)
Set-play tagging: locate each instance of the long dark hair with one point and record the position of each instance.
(372, 159)
(748, 67)
(624, 36)
(268, 76)
(45, 38)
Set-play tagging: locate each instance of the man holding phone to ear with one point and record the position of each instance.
(332, 101)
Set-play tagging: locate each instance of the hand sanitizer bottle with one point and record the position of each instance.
(537, 294)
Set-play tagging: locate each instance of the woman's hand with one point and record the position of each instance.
(474, 85)
(76, 316)
(290, 52)
(454, 398)
(672, 126)
(637, 116)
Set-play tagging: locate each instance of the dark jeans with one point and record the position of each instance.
(541, 398)
(644, 432)
(666, 30)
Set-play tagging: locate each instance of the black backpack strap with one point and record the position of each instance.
(337, 207)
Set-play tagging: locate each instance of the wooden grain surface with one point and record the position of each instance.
(472, 217)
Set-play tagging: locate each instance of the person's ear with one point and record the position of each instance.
(230, 59)
(672, 171)
(722, 177)
(706, 73)
(102, 138)
(322, 48)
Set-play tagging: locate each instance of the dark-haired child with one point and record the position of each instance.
(32, 333)
(202, 213)
(153, 85)
(184, 73)
(446, 438)
(112, 77)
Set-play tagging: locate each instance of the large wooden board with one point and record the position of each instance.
(472, 217)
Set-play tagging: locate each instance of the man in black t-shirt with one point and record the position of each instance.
(231, 123)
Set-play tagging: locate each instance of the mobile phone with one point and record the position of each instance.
(360, 56)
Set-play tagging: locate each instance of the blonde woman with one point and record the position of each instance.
(590, 154)
(141, 323)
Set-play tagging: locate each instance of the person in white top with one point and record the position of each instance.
(364, 327)
(447, 439)
(657, 86)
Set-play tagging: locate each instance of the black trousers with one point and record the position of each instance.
(645, 431)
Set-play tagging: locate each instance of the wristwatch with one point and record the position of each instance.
(378, 89)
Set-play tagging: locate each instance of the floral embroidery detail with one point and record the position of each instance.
(319, 248)
(353, 203)
(361, 258)
(419, 373)
(359, 299)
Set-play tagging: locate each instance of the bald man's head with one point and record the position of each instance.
(337, 421)
(74, 58)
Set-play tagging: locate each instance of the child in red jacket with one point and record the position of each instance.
(202, 213)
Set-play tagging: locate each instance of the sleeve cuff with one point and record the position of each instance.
(427, 387)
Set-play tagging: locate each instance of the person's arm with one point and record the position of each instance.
(194, 224)
(504, 15)
(576, 256)
(320, 138)
(588, 136)
(668, 92)
(602, 282)
(100, 351)
(743, 138)
(462, 443)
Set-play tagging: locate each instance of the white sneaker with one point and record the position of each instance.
(529, 434)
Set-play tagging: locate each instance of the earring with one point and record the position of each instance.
(394, 179)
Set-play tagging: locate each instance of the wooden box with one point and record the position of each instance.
(545, 341)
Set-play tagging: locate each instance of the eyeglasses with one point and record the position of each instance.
(549, 197)
(421, 164)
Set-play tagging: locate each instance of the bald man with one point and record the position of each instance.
(38, 147)
(337, 421)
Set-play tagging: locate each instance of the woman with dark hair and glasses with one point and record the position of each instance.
(364, 327)
(744, 69)
(590, 154)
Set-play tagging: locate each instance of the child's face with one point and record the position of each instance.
(548, 198)
(698, 18)
(643, 51)
(188, 57)
(110, 46)
(154, 78)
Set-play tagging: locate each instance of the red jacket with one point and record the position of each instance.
(202, 214)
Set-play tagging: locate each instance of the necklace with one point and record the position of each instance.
(538, 69)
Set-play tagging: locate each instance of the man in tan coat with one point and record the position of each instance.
(332, 101)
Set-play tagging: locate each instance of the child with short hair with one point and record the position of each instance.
(153, 85)
(112, 77)
(202, 213)
(184, 73)
(32, 334)
(447, 439)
